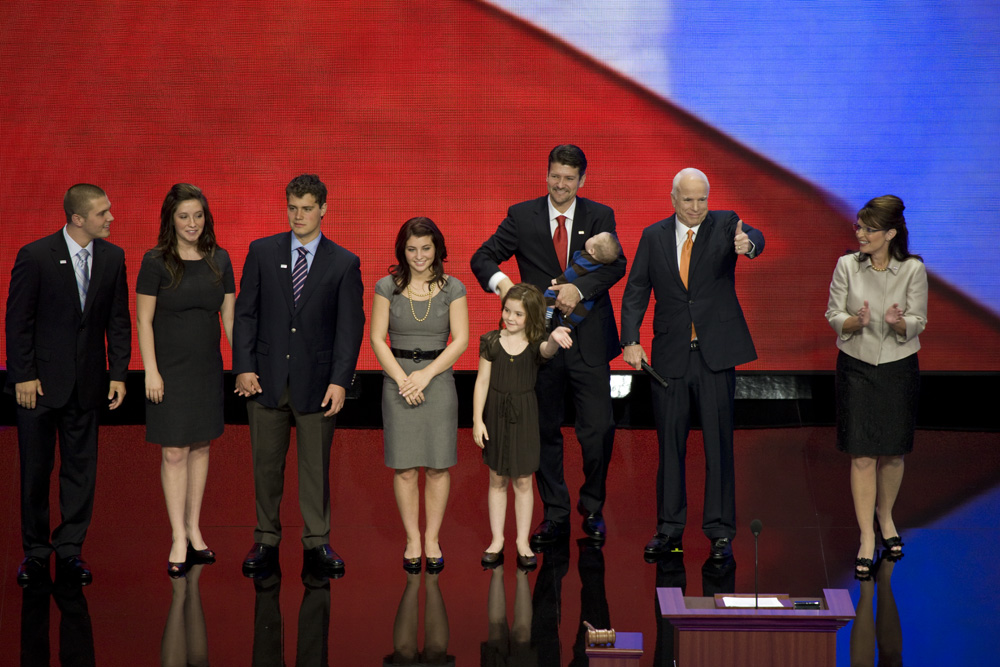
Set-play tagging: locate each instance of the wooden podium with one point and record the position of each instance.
(706, 634)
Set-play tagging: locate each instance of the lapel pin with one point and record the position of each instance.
(284, 266)
(580, 232)
(62, 261)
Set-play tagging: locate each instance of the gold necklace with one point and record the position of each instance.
(409, 296)
(875, 268)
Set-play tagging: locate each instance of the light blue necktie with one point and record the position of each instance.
(82, 275)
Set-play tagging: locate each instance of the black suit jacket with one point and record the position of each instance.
(51, 339)
(524, 234)
(710, 302)
(305, 347)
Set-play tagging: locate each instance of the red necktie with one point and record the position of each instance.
(559, 240)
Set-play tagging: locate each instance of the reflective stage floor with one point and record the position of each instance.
(793, 480)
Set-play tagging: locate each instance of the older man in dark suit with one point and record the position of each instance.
(299, 323)
(68, 295)
(699, 336)
(542, 234)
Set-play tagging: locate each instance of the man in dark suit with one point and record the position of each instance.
(542, 234)
(699, 337)
(68, 293)
(299, 323)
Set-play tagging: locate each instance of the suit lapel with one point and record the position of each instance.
(668, 243)
(284, 254)
(581, 227)
(98, 267)
(64, 268)
(706, 232)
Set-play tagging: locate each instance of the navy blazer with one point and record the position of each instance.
(524, 234)
(306, 346)
(710, 302)
(50, 338)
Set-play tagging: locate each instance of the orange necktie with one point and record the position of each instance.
(686, 264)
(559, 240)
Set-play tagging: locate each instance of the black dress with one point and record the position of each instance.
(511, 411)
(186, 332)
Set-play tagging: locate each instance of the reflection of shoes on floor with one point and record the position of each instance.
(722, 548)
(548, 532)
(593, 524)
(491, 559)
(661, 545)
(32, 570)
(413, 565)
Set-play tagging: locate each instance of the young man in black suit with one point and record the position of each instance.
(699, 337)
(542, 234)
(296, 339)
(68, 295)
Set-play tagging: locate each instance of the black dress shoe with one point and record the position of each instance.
(548, 532)
(323, 560)
(32, 570)
(593, 524)
(73, 570)
(200, 556)
(260, 557)
(413, 565)
(662, 545)
(722, 548)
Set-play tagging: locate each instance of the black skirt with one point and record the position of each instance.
(877, 406)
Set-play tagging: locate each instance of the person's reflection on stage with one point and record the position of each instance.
(670, 573)
(405, 627)
(593, 597)
(76, 634)
(267, 632)
(877, 630)
(313, 647)
(185, 638)
(718, 577)
(546, 603)
(508, 644)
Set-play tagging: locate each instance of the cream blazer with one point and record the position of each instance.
(854, 283)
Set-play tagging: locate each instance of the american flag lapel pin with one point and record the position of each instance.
(284, 266)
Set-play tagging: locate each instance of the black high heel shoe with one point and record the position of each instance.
(868, 564)
(435, 565)
(893, 545)
(200, 556)
(176, 570)
(413, 565)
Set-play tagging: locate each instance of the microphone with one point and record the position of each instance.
(755, 527)
(653, 374)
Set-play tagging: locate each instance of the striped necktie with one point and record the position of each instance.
(82, 272)
(299, 272)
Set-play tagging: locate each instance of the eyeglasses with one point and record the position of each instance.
(868, 230)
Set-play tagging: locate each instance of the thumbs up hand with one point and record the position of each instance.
(741, 242)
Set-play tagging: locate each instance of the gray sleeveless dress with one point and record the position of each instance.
(424, 435)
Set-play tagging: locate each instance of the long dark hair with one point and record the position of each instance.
(166, 242)
(418, 227)
(534, 309)
(885, 213)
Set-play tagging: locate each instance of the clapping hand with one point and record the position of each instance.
(894, 315)
(865, 315)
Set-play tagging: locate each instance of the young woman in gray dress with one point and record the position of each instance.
(417, 306)
(184, 284)
(878, 307)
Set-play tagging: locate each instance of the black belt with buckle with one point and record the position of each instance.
(695, 345)
(416, 355)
